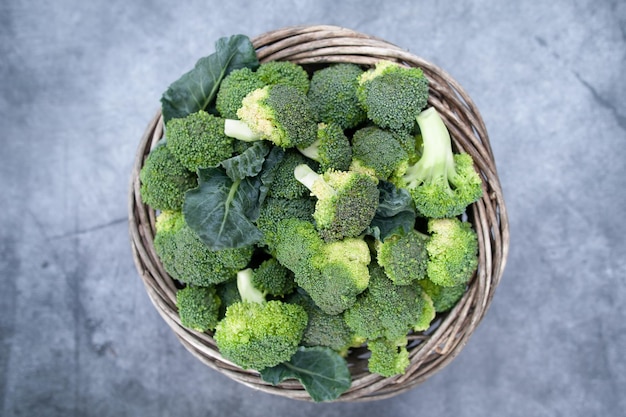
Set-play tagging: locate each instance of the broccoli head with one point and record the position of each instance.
(284, 184)
(284, 73)
(198, 140)
(403, 256)
(198, 307)
(393, 95)
(257, 334)
(441, 182)
(186, 258)
(346, 201)
(164, 180)
(444, 298)
(452, 252)
(279, 113)
(333, 95)
(331, 149)
(233, 88)
(377, 152)
(275, 210)
(271, 278)
(388, 357)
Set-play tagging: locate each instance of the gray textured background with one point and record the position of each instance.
(80, 81)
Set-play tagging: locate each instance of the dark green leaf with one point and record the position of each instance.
(220, 210)
(323, 372)
(247, 164)
(396, 210)
(196, 89)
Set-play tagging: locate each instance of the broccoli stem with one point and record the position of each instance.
(247, 291)
(312, 151)
(312, 180)
(437, 159)
(239, 130)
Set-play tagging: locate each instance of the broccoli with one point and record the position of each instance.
(284, 73)
(164, 180)
(441, 182)
(331, 148)
(232, 90)
(444, 298)
(284, 183)
(198, 140)
(388, 357)
(186, 258)
(271, 278)
(279, 113)
(452, 252)
(333, 95)
(325, 329)
(333, 274)
(257, 334)
(198, 307)
(377, 152)
(393, 95)
(346, 201)
(274, 210)
(403, 256)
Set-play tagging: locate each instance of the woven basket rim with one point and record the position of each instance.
(429, 353)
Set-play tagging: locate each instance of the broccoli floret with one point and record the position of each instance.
(393, 95)
(333, 274)
(164, 180)
(403, 256)
(198, 307)
(279, 113)
(444, 298)
(377, 152)
(333, 95)
(325, 329)
(452, 252)
(257, 334)
(284, 73)
(388, 310)
(271, 278)
(441, 182)
(346, 201)
(331, 149)
(275, 210)
(198, 140)
(284, 184)
(388, 357)
(186, 258)
(233, 88)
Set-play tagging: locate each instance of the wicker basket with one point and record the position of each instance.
(430, 352)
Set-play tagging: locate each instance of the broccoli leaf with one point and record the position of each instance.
(396, 209)
(196, 89)
(221, 211)
(247, 164)
(323, 372)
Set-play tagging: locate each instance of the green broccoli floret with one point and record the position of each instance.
(186, 258)
(388, 357)
(257, 334)
(284, 73)
(233, 88)
(346, 201)
(198, 307)
(284, 184)
(333, 95)
(403, 256)
(331, 149)
(198, 140)
(333, 274)
(387, 310)
(275, 210)
(279, 113)
(377, 152)
(325, 329)
(452, 252)
(393, 95)
(164, 180)
(444, 298)
(271, 278)
(441, 182)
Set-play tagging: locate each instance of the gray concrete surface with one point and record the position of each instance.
(79, 81)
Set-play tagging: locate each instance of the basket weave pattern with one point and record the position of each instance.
(430, 352)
